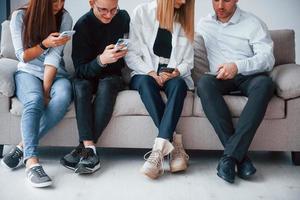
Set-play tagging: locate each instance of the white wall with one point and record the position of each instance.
(278, 14)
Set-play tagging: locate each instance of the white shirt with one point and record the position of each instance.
(143, 31)
(244, 40)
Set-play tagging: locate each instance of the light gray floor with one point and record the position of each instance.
(119, 178)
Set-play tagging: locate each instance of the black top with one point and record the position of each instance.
(163, 43)
(91, 38)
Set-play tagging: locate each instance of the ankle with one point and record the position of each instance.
(31, 162)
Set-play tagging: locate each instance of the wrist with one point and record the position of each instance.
(100, 61)
(44, 47)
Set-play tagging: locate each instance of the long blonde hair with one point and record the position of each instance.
(166, 14)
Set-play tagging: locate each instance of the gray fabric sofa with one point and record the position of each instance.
(131, 126)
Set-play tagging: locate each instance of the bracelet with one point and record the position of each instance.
(43, 46)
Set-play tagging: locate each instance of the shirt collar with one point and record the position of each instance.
(234, 19)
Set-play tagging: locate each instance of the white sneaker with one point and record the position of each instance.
(153, 167)
(178, 157)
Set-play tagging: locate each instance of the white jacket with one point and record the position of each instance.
(143, 31)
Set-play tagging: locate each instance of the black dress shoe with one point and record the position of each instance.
(226, 168)
(245, 169)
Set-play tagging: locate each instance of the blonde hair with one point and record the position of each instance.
(166, 14)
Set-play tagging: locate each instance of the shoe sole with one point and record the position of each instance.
(10, 168)
(178, 168)
(248, 176)
(67, 166)
(40, 185)
(150, 174)
(86, 170)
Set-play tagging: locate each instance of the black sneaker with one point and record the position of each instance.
(13, 159)
(37, 177)
(89, 162)
(72, 159)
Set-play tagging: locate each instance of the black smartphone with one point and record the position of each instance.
(166, 69)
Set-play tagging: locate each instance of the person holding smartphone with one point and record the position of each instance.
(161, 57)
(98, 64)
(42, 83)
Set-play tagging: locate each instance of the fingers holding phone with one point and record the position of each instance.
(54, 40)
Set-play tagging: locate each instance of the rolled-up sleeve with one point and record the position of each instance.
(54, 55)
(16, 26)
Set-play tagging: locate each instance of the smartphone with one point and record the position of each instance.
(211, 73)
(122, 44)
(166, 70)
(67, 33)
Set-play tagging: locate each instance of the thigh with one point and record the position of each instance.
(259, 83)
(82, 88)
(61, 87)
(209, 83)
(28, 87)
(140, 82)
(177, 85)
(111, 84)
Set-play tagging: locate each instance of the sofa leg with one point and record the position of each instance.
(296, 157)
(1, 150)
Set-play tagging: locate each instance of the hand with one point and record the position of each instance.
(167, 76)
(46, 98)
(227, 71)
(53, 40)
(157, 78)
(111, 55)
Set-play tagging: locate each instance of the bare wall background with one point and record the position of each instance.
(277, 14)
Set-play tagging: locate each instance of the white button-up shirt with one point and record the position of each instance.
(244, 40)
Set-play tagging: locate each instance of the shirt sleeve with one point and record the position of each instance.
(16, 26)
(137, 47)
(54, 55)
(262, 46)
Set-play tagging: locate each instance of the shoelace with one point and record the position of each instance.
(40, 171)
(17, 154)
(155, 158)
(179, 152)
(77, 151)
(86, 153)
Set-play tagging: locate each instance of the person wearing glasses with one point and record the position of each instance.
(42, 83)
(98, 78)
(161, 57)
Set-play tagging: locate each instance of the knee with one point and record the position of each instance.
(179, 86)
(63, 92)
(81, 88)
(265, 85)
(146, 83)
(34, 101)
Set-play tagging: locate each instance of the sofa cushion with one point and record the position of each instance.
(129, 103)
(17, 108)
(7, 70)
(287, 80)
(201, 64)
(7, 48)
(236, 104)
(284, 46)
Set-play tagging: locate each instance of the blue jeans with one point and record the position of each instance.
(164, 116)
(37, 119)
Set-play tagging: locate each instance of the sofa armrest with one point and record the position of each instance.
(7, 70)
(287, 80)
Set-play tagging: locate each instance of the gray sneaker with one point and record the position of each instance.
(13, 159)
(71, 160)
(37, 177)
(89, 162)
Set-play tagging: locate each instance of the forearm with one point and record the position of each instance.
(32, 53)
(49, 75)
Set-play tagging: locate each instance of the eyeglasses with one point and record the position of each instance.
(105, 11)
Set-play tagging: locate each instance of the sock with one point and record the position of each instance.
(19, 147)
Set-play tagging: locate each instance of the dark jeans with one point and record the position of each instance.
(165, 116)
(94, 113)
(258, 88)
